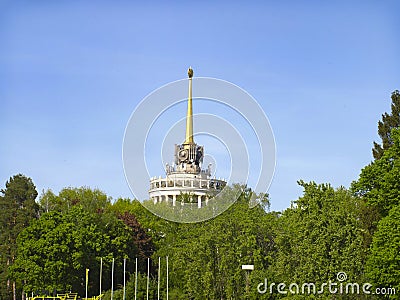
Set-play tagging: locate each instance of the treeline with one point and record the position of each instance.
(328, 235)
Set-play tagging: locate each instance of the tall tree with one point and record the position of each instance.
(17, 209)
(379, 182)
(320, 236)
(385, 126)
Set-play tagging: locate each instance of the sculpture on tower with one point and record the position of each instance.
(189, 156)
(185, 175)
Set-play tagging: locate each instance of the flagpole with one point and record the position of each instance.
(124, 278)
(135, 277)
(159, 270)
(167, 277)
(87, 279)
(148, 278)
(112, 279)
(101, 273)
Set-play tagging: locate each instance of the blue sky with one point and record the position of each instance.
(72, 72)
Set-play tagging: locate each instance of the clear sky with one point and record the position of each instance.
(72, 72)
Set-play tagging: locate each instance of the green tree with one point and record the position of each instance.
(55, 250)
(319, 236)
(379, 182)
(92, 200)
(383, 265)
(389, 121)
(17, 209)
(206, 258)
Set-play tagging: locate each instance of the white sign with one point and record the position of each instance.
(248, 267)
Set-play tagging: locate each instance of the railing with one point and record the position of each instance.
(68, 296)
(216, 184)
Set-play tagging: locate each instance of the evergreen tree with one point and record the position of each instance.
(17, 209)
(389, 121)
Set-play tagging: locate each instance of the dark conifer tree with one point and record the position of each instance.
(385, 126)
(17, 209)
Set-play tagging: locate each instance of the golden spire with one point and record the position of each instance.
(189, 116)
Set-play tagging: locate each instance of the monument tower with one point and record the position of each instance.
(185, 178)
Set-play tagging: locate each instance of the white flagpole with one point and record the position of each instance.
(101, 273)
(159, 270)
(112, 279)
(124, 278)
(87, 279)
(148, 278)
(135, 277)
(167, 277)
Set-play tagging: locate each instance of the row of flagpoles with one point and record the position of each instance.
(136, 263)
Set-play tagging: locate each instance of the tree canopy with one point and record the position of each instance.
(379, 182)
(320, 236)
(55, 251)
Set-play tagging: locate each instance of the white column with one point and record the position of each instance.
(173, 200)
(199, 201)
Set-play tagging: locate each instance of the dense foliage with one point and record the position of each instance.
(320, 236)
(55, 251)
(383, 267)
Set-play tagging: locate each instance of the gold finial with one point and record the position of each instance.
(189, 115)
